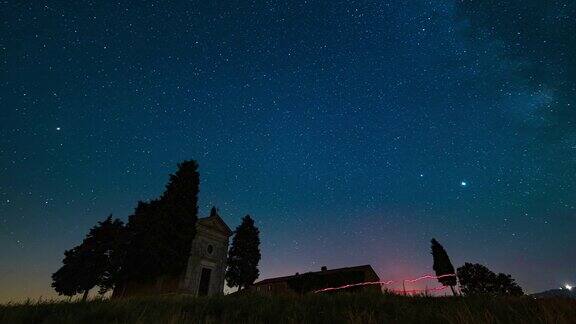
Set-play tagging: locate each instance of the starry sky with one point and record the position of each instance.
(352, 131)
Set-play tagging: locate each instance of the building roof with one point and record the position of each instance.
(365, 267)
(216, 221)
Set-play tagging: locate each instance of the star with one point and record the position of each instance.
(464, 184)
(58, 128)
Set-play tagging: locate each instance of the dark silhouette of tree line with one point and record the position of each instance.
(474, 279)
(155, 242)
(92, 263)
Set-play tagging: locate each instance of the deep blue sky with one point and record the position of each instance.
(352, 131)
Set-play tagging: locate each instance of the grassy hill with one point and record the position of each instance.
(335, 308)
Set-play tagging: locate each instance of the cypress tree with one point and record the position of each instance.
(179, 205)
(143, 258)
(443, 266)
(244, 255)
(160, 231)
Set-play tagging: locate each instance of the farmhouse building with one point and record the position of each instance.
(312, 281)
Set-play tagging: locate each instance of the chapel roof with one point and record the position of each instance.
(215, 221)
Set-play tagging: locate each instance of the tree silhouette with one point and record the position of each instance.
(66, 281)
(505, 285)
(110, 242)
(91, 263)
(476, 279)
(442, 265)
(160, 231)
(244, 255)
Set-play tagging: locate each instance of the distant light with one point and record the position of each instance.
(58, 128)
(568, 287)
(463, 183)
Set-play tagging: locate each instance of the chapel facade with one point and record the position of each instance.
(206, 268)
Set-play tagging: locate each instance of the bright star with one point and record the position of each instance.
(58, 128)
(463, 183)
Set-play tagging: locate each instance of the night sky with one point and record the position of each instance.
(352, 131)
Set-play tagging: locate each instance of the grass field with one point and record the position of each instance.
(335, 308)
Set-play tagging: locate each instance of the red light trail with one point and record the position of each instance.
(381, 283)
(389, 282)
(429, 277)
